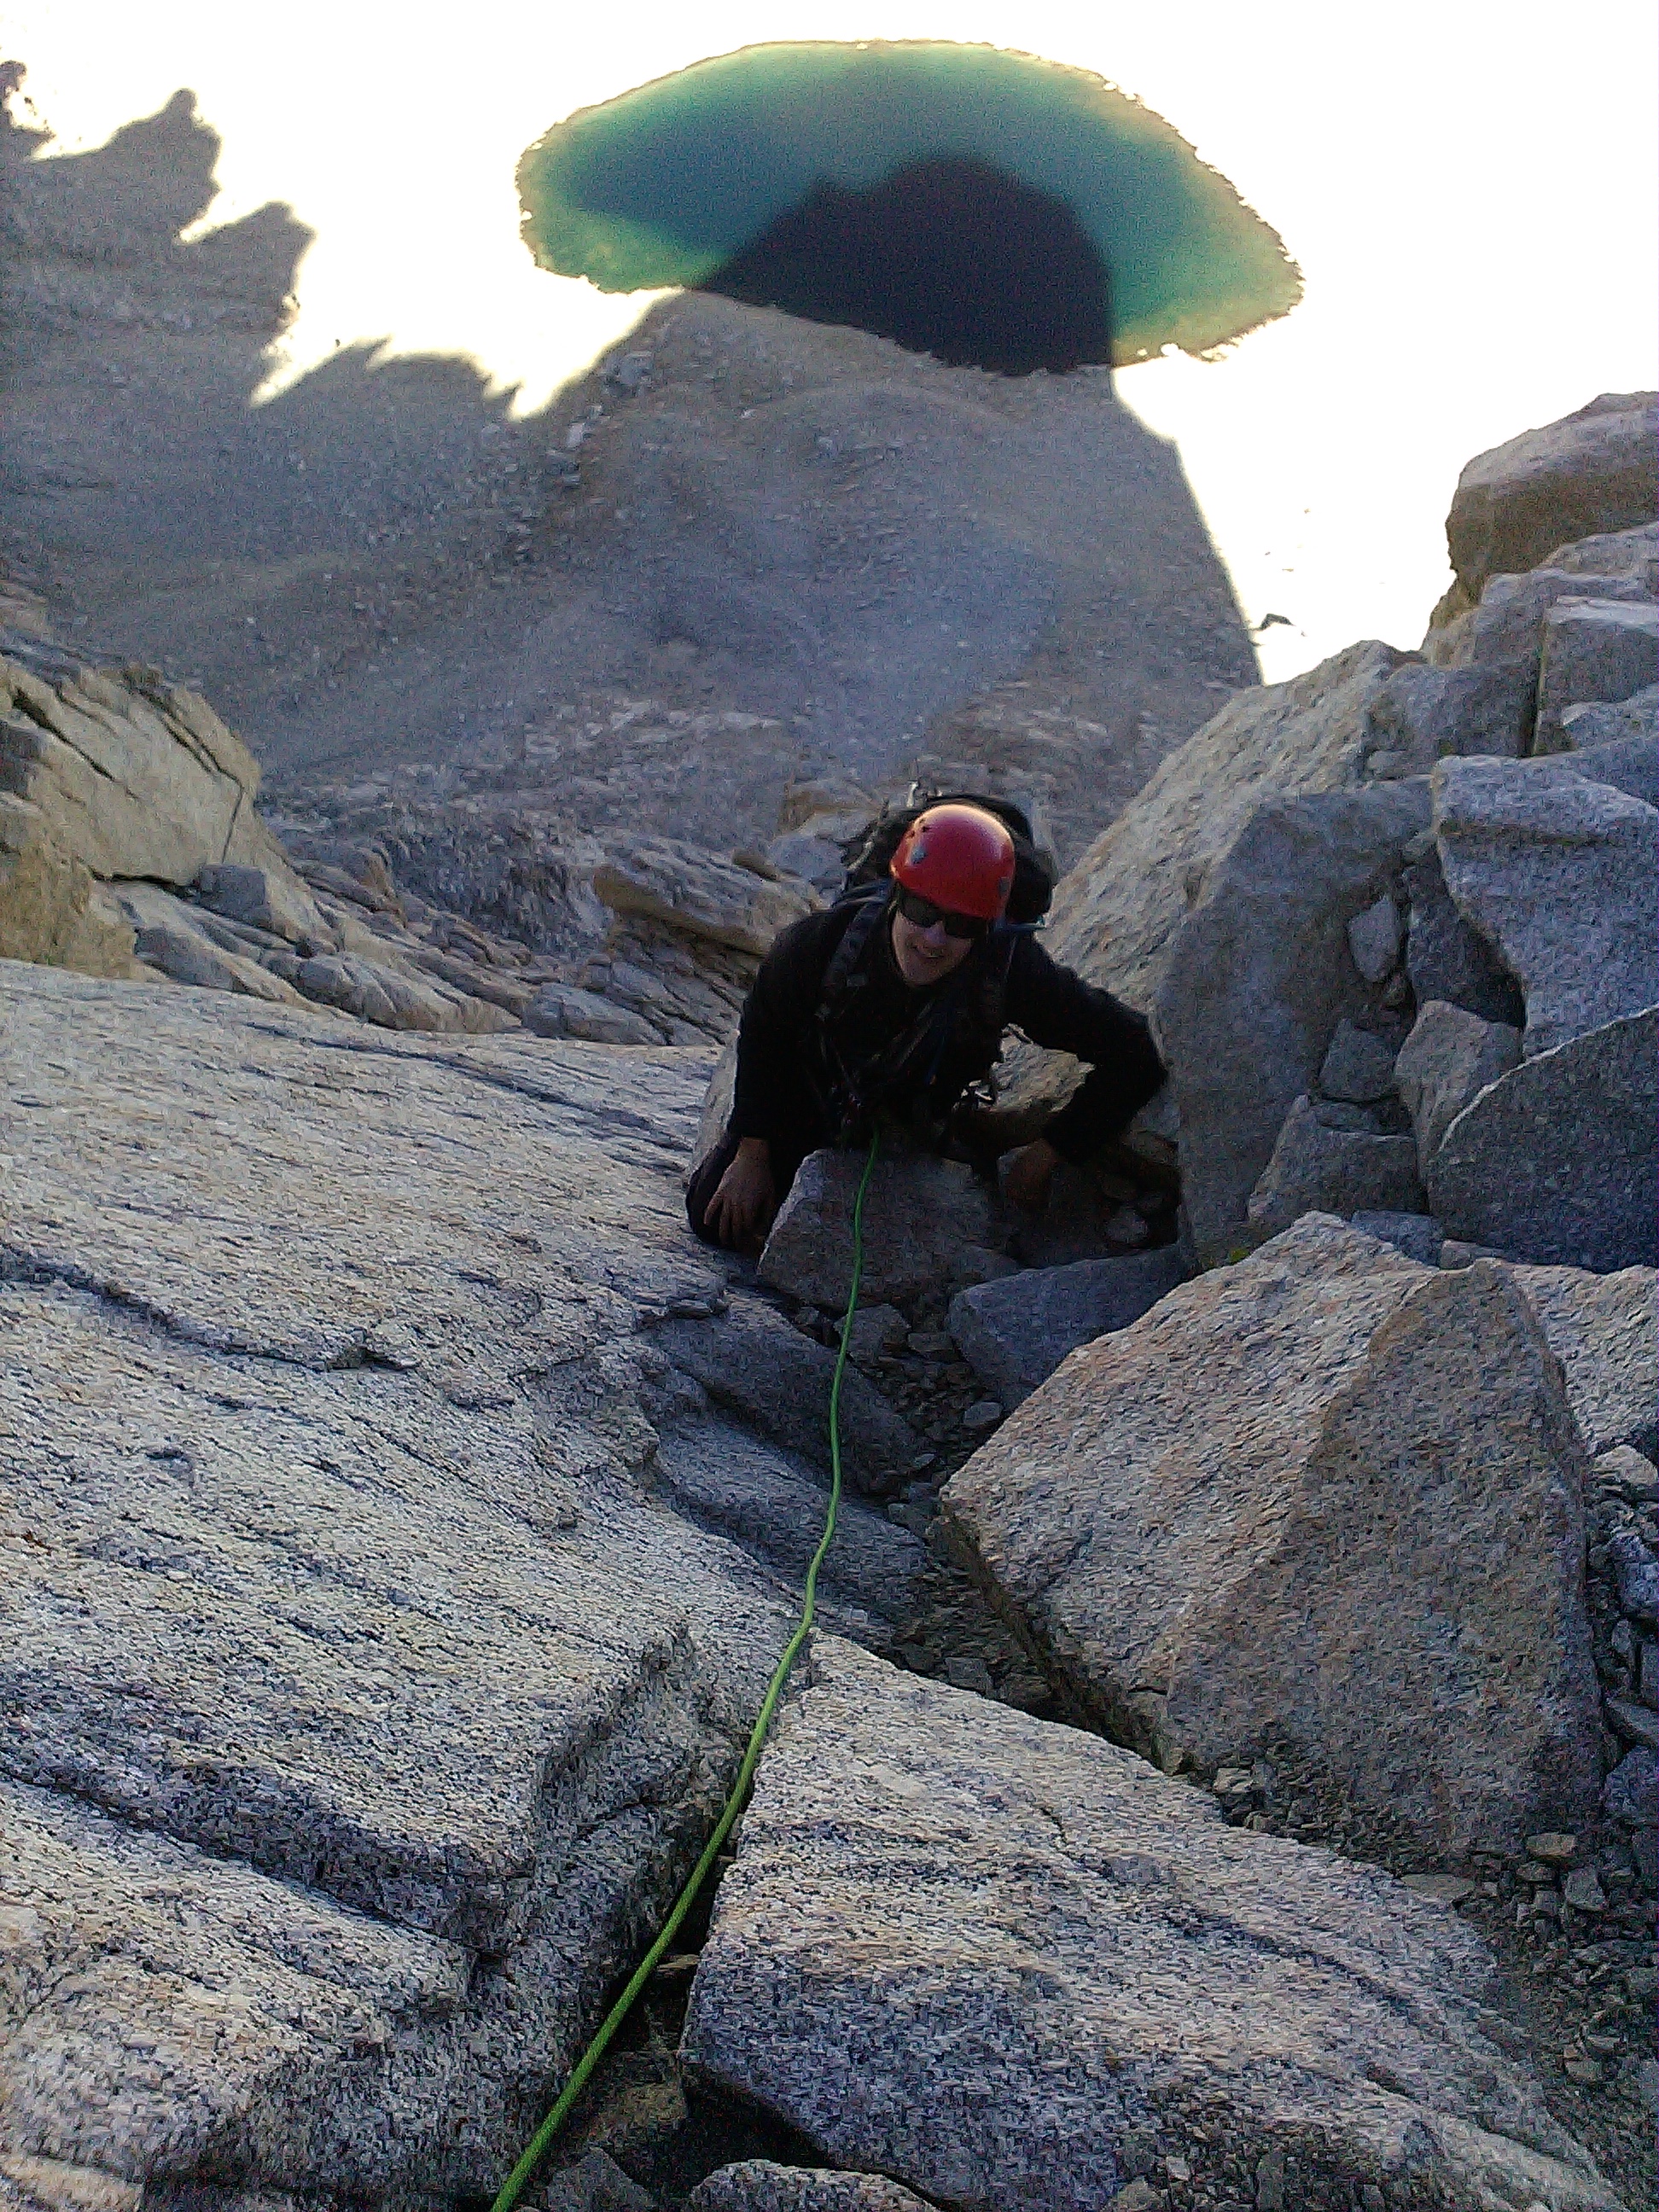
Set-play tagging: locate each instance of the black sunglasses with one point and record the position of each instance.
(922, 914)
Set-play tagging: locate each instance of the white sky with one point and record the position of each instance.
(1466, 183)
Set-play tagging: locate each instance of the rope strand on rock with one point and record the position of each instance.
(536, 2149)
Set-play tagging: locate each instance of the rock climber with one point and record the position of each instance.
(891, 1004)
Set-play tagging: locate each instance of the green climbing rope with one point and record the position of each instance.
(513, 2188)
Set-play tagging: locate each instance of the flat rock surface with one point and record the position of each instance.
(1212, 1520)
(987, 1950)
(369, 1694)
(1603, 1330)
(1014, 1333)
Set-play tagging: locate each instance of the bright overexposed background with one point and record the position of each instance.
(1467, 185)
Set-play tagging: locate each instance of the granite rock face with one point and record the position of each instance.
(1555, 1163)
(1557, 873)
(1258, 979)
(1593, 471)
(1014, 1333)
(376, 1698)
(1177, 1514)
(992, 1953)
(920, 1214)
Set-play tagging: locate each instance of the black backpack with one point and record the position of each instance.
(868, 855)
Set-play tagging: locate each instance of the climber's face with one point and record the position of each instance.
(924, 955)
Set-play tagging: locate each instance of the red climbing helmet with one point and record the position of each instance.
(960, 859)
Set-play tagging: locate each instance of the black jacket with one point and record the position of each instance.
(789, 1057)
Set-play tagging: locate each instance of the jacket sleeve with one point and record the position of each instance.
(1058, 1009)
(768, 1099)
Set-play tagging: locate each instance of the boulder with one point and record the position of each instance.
(1359, 1065)
(1316, 1168)
(1448, 1059)
(1422, 713)
(168, 937)
(1445, 958)
(666, 880)
(127, 784)
(1602, 1329)
(560, 1010)
(270, 898)
(1627, 724)
(1555, 1163)
(758, 2186)
(1630, 764)
(1631, 554)
(1212, 1521)
(1117, 912)
(1013, 1333)
(1593, 650)
(326, 1430)
(1593, 470)
(393, 999)
(997, 1958)
(595, 2184)
(1257, 980)
(1506, 630)
(778, 1381)
(918, 1214)
(1558, 872)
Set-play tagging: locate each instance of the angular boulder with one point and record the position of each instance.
(920, 1214)
(1448, 1059)
(996, 1957)
(1257, 980)
(1593, 650)
(1559, 874)
(1591, 471)
(1422, 713)
(1555, 1163)
(1215, 1521)
(1014, 1333)
(1318, 1168)
(560, 1010)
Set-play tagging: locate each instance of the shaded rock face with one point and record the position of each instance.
(1215, 1520)
(1591, 472)
(1014, 1333)
(378, 1698)
(1257, 981)
(759, 514)
(973, 1937)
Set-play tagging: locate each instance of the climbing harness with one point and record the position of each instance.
(513, 2188)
